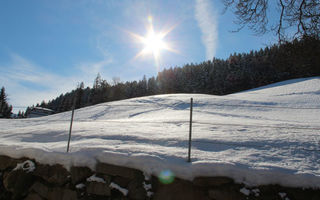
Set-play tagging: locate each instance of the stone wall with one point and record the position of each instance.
(26, 179)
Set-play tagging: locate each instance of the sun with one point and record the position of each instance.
(153, 42)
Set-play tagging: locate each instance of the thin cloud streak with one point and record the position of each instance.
(208, 23)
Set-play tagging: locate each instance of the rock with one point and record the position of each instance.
(7, 162)
(117, 170)
(211, 181)
(33, 196)
(97, 188)
(79, 174)
(179, 189)
(136, 189)
(55, 174)
(137, 193)
(53, 193)
(61, 193)
(18, 182)
(272, 192)
(107, 178)
(217, 194)
(69, 195)
(121, 181)
(301, 194)
(4, 194)
(40, 189)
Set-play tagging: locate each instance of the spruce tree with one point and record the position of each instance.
(78, 95)
(5, 109)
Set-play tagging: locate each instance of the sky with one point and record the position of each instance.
(48, 47)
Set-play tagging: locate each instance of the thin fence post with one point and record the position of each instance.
(190, 130)
(70, 129)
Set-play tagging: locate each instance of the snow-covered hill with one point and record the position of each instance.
(263, 136)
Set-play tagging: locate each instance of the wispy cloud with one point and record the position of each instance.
(27, 83)
(90, 69)
(208, 23)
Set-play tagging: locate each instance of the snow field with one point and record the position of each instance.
(268, 135)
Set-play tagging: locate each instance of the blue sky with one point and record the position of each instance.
(47, 47)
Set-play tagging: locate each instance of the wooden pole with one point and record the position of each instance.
(190, 130)
(70, 129)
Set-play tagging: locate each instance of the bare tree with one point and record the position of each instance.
(301, 16)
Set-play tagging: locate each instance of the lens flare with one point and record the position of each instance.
(166, 176)
(150, 19)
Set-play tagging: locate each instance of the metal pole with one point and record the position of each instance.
(190, 130)
(70, 129)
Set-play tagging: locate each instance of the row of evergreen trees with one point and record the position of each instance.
(299, 58)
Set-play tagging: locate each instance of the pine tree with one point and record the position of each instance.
(5, 109)
(142, 87)
(2, 101)
(96, 92)
(97, 81)
(78, 95)
(152, 86)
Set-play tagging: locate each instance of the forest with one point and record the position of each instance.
(241, 71)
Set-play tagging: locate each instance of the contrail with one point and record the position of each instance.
(208, 23)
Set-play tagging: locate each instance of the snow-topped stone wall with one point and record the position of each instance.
(27, 179)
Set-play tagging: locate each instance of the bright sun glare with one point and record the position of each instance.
(153, 42)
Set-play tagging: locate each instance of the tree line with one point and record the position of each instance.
(296, 59)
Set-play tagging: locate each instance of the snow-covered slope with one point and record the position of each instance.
(263, 136)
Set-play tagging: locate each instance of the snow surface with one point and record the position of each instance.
(94, 178)
(27, 166)
(283, 195)
(80, 186)
(117, 187)
(268, 135)
(256, 192)
(149, 194)
(147, 186)
(245, 191)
